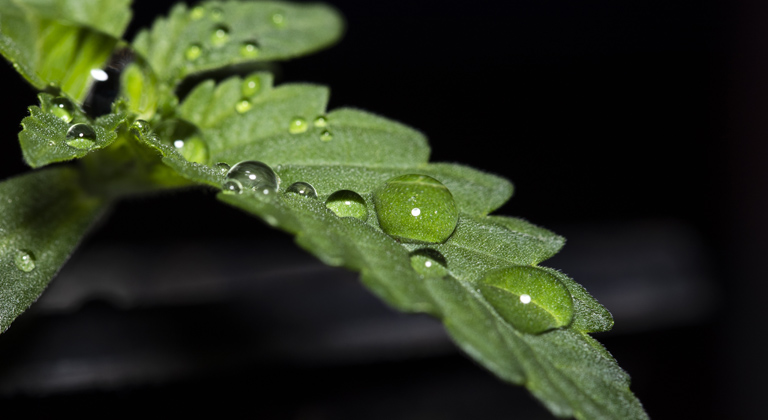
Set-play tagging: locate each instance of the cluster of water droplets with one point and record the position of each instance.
(299, 125)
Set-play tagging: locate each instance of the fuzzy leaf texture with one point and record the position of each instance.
(58, 42)
(43, 216)
(214, 35)
(289, 129)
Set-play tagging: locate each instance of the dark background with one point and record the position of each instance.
(604, 114)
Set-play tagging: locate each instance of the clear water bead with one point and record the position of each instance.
(298, 125)
(303, 189)
(24, 261)
(255, 175)
(81, 136)
(429, 263)
(346, 203)
(62, 108)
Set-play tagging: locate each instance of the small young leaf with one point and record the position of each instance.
(47, 137)
(43, 216)
(214, 35)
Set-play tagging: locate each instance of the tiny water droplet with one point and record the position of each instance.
(255, 175)
(298, 125)
(429, 263)
(530, 298)
(24, 261)
(140, 128)
(243, 106)
(62, 108)
(346, 203)
(278, 19)
(223, 167)
(303, 189)
(81, 136)
(321, 121)
(251, 85)
(217, 14)
(249, 49)
(232, 186)
(220, 35)
(416, 208)
(186, 138)
(326, 136)
(193, 52)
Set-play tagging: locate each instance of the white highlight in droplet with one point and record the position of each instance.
(349, 203)
(99, 75)
(526, 299)
(415, 212)
(428, 264)
(179, 144)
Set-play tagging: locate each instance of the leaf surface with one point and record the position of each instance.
(43, 215)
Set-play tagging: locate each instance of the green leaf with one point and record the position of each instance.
(215, 35)
(59, 42)
(44, 135)
(43, 216)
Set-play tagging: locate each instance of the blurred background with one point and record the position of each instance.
(635, 129)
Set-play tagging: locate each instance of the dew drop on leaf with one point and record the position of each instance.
(278, 19)
(81, 136)
(24, 261)
(223, 167)
(220, 35)
(217, 14)
(62, 108)
(197, 13)
(429, 263)
(326, 136)
(346, 203)
(249, 49)
(193, 52)
(321, 121)
(186, 138)
(251, 85)
(243, 106)
(232, 186)
(303, 189)
(255, 175)
(416, 208)
(529, 298)
(298, 125)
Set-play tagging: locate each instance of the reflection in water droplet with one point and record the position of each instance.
(62, 108)
(185, 138)
(416, 208)
(24, 261)
(243, 106)
(278, 19)
(232, 186)
(429, 263)
(223, 167)
(251, 85)
(303, 189)
(255, 175)
(81, 136)
(531, 299)
(321, 121)
(326, 136)
(197, 13)
(193, 52)
(249, 49)
(298, 125)
(220, 35)
(347, 203)
(99, 75)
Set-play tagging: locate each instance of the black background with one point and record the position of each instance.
(598, 111)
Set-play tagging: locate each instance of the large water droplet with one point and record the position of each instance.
(186, 138)
(298, 125)
(62, 108)
(529, 298)
(303, 189)
(193, 52)
(429, 263)
(416, 208)
(321, 121)
(249, 49)
(24, 261)
(254, 175)
(220, 35)
(243, 106)
(251, 85)
(326, 135)
(347, 203)
(232, 186)
(81, 136)
(223, 167)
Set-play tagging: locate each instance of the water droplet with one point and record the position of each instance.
(254, 175)
(416, 208)
(249, 49)
(321, 121)
(326, 136)
(193, 52)
(186, 138)
(278, 19)
(298, 125)
(220, 35)
(232, 186)
(62, 108)
(347, 203)
(251, 85)
(81, 136)
(529, 298)
(243, 106)
(24, 261)
(197, 13)
(303, 189)
(223, 167)
(217, 14)
(429, 263)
